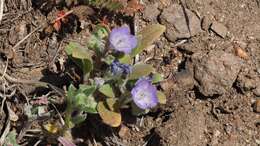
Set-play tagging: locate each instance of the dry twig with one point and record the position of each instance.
(26, 37)
(31, 82)
(7, 127)
(39, 27)
(1, 9)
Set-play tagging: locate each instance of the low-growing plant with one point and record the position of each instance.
(112, 79)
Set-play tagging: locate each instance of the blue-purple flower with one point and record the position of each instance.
(118, 68)
(144, 94)
(122, 40)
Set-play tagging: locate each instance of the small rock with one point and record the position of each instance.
(205, 23)
(256, 91)
(124, 131)
(240, 52)
(219, 29)
(247, 81)
(257, 106)
(151, 12)
(177, 26)
(216, 72)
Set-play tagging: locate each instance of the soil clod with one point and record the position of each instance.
(216, 72)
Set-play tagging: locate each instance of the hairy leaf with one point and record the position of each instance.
(147, 36)
(10, 140)
(107, 90)
(136, 111)
(81, 56)
(161, 97)
(85, 103)
(140, 70)
(125, 59)
(157, 78)
(109, 117)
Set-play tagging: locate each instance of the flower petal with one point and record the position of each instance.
(144, 94)
(121, 40)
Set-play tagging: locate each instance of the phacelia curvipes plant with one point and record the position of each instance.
(112, 79)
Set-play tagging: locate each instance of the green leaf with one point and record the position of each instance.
(109, 117)
(10, 140)
(81, 53)
(157, 78)
(112, 104)
(125, 59)
(161, 97)
(96, 41)
(72, 91)
(85, 103)
(147, 36)
(140, 70)
(97, 44)
(87, 89)
(101, 32)
(107, 90)
(69, 48)
(81, 56)
(136, 111)
(78, 119)
(108, 59)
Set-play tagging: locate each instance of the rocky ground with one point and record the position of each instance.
(209, 56)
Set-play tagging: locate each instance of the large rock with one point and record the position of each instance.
(179, 25)
(216, 72)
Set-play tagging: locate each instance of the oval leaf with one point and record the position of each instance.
(80, 52)
(126, 59)
(112, 118)
(112, 104)
(161, 97)
(140, 70)
(157, 78)
(147, 36)
(136, 111)
(107, 90)
(85, 103)
(81, 56)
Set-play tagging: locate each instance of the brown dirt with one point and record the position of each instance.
(211, 99)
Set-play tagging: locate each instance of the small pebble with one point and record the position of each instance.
(205, 23)
(219, 29)
(256, 91)
(257, 106)
(123, 132)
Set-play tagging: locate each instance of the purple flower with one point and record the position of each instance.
(121, 40)
(144, 94)
(99, 81)
(118, 68)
